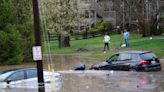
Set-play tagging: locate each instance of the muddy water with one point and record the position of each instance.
(92, 81)
(100, 81)
(68, 62)
(112, 81)
(59, 62)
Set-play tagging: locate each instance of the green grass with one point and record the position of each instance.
(95, 46)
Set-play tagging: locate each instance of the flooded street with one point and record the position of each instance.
(60, 62)
(99, 81)
(91, 80)
(112, 81)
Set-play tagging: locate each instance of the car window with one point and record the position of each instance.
(124, 56)
(31, 73)
(113, 58)
(135, 57)
(147, 56)
(16, 76)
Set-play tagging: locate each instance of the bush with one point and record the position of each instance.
(101, 27)
(11, 51)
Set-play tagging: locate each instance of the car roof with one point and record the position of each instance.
(16, 69)
(135, 52)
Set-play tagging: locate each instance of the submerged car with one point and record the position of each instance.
(130, 61)
(23, 75)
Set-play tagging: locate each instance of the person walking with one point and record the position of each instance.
(106, 42)
(126, 37)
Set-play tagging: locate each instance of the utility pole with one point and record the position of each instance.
(37, 48)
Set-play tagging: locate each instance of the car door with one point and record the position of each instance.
(112, 60)
(16, 77)
(123, 61)
(31, 73)
(30, 76)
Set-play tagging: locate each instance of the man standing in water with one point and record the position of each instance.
(106, 42)
(126, 38)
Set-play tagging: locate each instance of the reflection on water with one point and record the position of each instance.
(18, 90)
(41, 89)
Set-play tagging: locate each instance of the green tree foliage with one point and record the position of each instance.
(24, 24)
(101, 27)
(11, 52)
(15, 31)
(61, 16)
(5, 14)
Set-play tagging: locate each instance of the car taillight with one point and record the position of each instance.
(143, 62)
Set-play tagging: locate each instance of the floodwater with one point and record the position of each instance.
(112, 81)
(98, 81)
(59, 62)
(91, 80)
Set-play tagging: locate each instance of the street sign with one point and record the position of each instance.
(37, 53)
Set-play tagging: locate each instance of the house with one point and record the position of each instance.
(97, 9)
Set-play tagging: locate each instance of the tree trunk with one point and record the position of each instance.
(59, 41)
(146, 32)
(63, 41)
(66, 41)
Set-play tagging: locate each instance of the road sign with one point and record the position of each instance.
(37, 53)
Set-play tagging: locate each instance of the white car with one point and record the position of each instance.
(26, 77)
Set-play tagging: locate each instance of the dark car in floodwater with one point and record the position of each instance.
(130, 61)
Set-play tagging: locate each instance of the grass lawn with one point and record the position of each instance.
(93, 47)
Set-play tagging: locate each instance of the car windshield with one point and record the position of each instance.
(5, 74)
(113, 58)
(147, 56)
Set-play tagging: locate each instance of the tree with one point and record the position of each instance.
(16, 31)
(10, 51)
(23, 20)
(61, 17)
